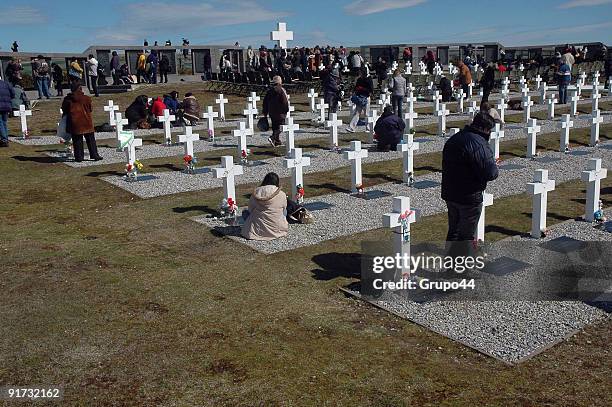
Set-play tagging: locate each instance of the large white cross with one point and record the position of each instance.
(595, 96)
(333, 125)
(527, 103)
(372, 119)
(187, 139)
(410, 115)
(596, 120)
(566, 125)
(221, 101)
(442, 113)
(543, 89)
(313, 99)
(400, 220)
(408, 146)
(166, 119)
(532, 132)
(22, 113)
(538, 81)
(582, 77)
(128, 143)
(460, 99)
(253, 99)
(593, 176)
(596, 76)
(473, 109)
(119, 122)
(502, 106)
(496, 136)
(228, 172)
(574, 103)
(470, 90)
(321, 106)
(281, 36)
(296, 162)
(242, 132)
(250, 112)
(487, 200)
(290, 128)
(436, 99)
(210, 118)
(111, 108)
(539, 188)
(551, 106)
(355, 154)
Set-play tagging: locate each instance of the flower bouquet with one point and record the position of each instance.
(190, 164)
(599, 216)
(228, 208)
(131, 170)
(299, 196)
(211, 135)
(336, 149)
(359, 189)
(404, 218)
(68, 150)
(244, 157)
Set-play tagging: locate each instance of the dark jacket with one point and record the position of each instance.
(164, 64)
(446, 88)
(6, 96)
(275, 103)
(172, 104)
(488, 79)
(115, 62)
(389, 130)
(467, 165)
(191, 107)
(330, 85)
(137, 111)
(77, 106)
(364, 87)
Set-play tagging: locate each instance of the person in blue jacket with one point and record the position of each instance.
(389, 129)
(6, 96)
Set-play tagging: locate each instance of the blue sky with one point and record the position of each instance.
(71, 26)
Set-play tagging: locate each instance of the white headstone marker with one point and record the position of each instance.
(566, 125)
(539, 188)
(221, 101)
(333, 125)
(496, 136)
(400, 220)
(593, 176)
(281, 36)
(290, 128)
(487, 200)
(210, 120)
(111, 108)
(355, 154)
(242, 132)
(296, 163)
(408, 147)
(167, 120)
(228, 172)
(596, 120)
(532, 132)
(187, 140)
(22, 113)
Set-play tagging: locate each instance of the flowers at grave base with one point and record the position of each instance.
(211, 134)
(25, 134)
(228, 207)
(410, 179)
(336, 149)
(139, 166)
(190, 163)
(67, 146)
(404, 219)
(131, 170)
(244, 156)
(299, 196)
(359, 189)
(599, 216)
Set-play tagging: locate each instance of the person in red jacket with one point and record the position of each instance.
(158, 110)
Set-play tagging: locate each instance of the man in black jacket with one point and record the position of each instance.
(467, 165)
(276, 105)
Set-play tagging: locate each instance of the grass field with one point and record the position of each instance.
(127, 302)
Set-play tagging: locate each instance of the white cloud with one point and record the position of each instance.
(366, 7)
(584, 3)
(22, 15)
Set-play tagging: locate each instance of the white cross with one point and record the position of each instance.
(551, 106)
(242, 132)
(442, 113)
(411, 114)
(593, 176)
(290, 129)
(566, 125)
(539, 188)
(487, 200)
(596, 119)
(221, 101)
(538, 81)
(210, 117)
(400, 220)
(333, 125)
(595, 96)
(543, 89)
(610, 85)
(408, 69)
(502, 106)
(355, 154)
(495, 138)
(297, 162)
(321, 106)
(281, 36)
(574, 105)
(228, 172)
(290, 109)
(250, 112)
(473, 109)
(460, 99)
(128, 143)
(596, 76)
(524, 91)
(527, 103)
(505, 93)
(436, 99)
(372, 119)
(22, 113)
(523, 82)
(187, 139)
(583, 77)
(253, 99)
(532, 132)
(119, 122)
(470, 90)
(166, 119)
(313, 96)
(408, 146)
(111, 108)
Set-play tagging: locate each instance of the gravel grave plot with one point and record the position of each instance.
(167, 183)
(510, 330)
(345, 214)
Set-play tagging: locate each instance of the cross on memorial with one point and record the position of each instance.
(596, 76)
(111, 108)
(321, 106)
(532, 132)
(167, 120)
(313, 96)
(473, 109)
(566, 125)
(595, 96)
(460, 99)
(253, 99)
(487, 200)
(527, 103)
(210, 120)
(290, 128)
(593, 176)
(408, 146)
(242, 132)
(187, 140)
(501, 107)
(539, 188)
(574, 103)
(355, 154)
(333, 125)
(119, 122)
(296, 163)
(400, 220)
(496, 136)
(543, 89)
(281, 36)
(228, 172)
(22, 113)
(596, 120)
(436, 99)
(221, 101)
(372, 119)
(538, 81)
(250, 112)
(470, 90)
(128, 143)
(551, 101)
(442, 113)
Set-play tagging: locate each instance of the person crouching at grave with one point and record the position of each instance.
(467, 165)
(157, 110)
(389, 129)
(137, 113)
(191, 109)
(6, 95)
(77, 106)
(266, 219)
(363, 89)
(172, 103)
(276, 105)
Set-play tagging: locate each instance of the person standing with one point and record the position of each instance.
(363, 89)
(568, 58)
(76, 72)
(6, 96)
(141, 67)
(564, 77)
(276, 105)
(78, 111)
(465, 76)
(397, 85)
(331, 91)
(468, 165)
(92, 71)
(115, 64)
(356, 63)
(15, 47)
(58, 78)
(40, 75)
(487, 82)
(164, 68)
(152, 63)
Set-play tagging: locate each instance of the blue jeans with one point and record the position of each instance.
(398, 105)
(563, 93)
(153, 78)
(4, 126)
(42, 84)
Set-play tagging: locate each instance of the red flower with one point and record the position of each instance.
(230, 202)
(129, 167)
(188, 158)
(244, 154)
